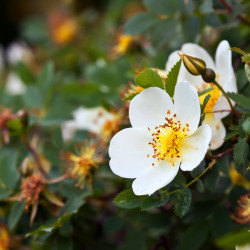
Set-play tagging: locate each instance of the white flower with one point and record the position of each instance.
(14, 84)
(18, 51)
(90, 119)
(164, 136)
(217, 104)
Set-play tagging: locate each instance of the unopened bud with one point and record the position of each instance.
(194, 65)
(23, 117)
(208, 75)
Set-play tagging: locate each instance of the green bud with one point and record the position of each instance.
(208, 75)
(194, 65)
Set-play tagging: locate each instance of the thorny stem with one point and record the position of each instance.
(230, 9)
(210, 165)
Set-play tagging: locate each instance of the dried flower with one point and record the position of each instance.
(31, 187)
(242, 214)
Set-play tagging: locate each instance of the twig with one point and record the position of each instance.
(221, 154)
(230, 9)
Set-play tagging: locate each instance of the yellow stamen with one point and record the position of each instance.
(167, 140)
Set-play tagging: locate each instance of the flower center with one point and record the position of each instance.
(167, 139)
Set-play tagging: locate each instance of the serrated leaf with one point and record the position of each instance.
(238, 50)
(241, 151)
(172, 78)
(140, 23)
(153, 201)
(241, 100)
(204, 104)
(130, 97)
(182, 201)
(149, 78)
(51, 228)
(127, 199)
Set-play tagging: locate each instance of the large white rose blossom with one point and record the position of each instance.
(163, 138)
(217, 107)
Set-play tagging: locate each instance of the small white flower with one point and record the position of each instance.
(18, 51)
(164, 136)
(14, 85)
(90, 119)
(217, 104)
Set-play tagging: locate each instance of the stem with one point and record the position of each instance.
(210, 165)
(221, 154)
(56, 180)
(230, 9)
(225, 94)
(36, 159)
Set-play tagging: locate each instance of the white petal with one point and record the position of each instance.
(149, 108)
(195, 50)
(184, 75)
(155, 178)
(218, 134)
(128, 151)
(187, 105)
(221, 105)
(223, 59)
(172, 60)
(195, 147)
(14, 85)
(68, 130)
(91, 119)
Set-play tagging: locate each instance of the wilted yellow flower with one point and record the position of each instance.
(4, 237)
(31, 187)
(81, 165)
(242, 214)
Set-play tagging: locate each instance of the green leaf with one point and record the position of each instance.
(153, 201)
(241, 151)
(51, 228)
(203, 92)
(241, 100)
(24, 73)
(172, 78)
(15, 214)
(238, 50)
(246, 58)
(232, 239)
(140, 23)
(169, 7)
(46, 76)
(127, 199)
(204, 104)
(246, 126)
(8, 172)
(182, 201)
(149, 78)
(231, 135)
(247, 70)
(195, 236)
(206, 6)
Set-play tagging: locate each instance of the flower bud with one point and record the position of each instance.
(208, 75)
(194, 65)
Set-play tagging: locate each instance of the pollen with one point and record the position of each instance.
(167, 140)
